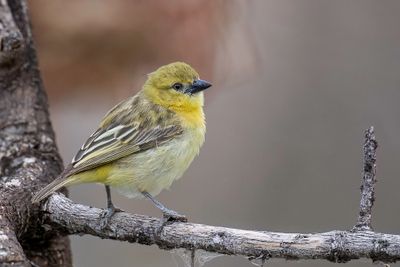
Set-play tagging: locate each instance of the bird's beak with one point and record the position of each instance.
(198, 86)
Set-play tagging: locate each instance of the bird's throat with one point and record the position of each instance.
(188, 108)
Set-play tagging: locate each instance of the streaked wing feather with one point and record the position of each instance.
(105, 146)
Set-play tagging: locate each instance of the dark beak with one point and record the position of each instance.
(198, 86)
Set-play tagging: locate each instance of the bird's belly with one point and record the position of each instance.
(155, 169)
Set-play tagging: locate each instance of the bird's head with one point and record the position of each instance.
(176, 86)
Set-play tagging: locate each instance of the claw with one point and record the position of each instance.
(173, 216)
(116, 209)
(107, 214)
(170, 216)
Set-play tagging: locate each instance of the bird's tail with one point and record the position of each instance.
(51, 188)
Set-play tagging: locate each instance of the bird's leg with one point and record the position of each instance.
(111, 209)
(168, 215)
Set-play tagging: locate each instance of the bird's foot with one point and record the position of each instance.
(107, 214)
(173, 216)
(170, 216)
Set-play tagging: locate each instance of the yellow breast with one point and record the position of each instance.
(156, 169)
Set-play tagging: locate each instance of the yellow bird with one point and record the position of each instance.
(144, 143)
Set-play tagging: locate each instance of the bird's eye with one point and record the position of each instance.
(177, 86)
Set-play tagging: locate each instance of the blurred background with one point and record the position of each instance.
(295, 85)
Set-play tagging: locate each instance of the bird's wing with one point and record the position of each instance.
(117, 141)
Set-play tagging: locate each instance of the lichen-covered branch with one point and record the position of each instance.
(336, 246)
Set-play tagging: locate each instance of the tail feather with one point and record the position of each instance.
(50, 189)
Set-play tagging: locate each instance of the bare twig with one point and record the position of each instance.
(337, 246)
(368, 182)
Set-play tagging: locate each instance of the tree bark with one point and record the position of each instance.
(28, 154)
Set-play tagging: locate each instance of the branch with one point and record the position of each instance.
(336, 246)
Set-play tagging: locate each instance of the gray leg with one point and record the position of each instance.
(169, 215)
(111, 209)
(110, 205)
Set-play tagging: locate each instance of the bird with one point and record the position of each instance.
(144, 143)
